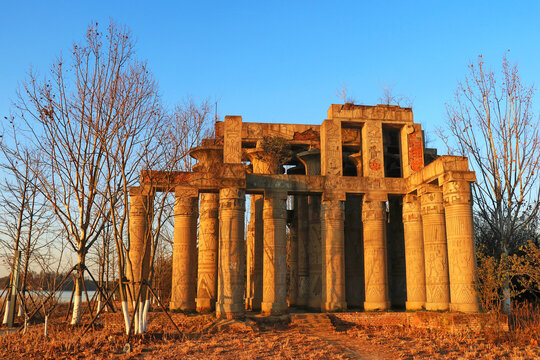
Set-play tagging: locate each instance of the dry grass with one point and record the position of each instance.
(204, 338)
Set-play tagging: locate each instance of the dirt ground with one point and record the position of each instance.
(204, 337)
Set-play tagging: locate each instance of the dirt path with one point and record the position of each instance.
(320, 326)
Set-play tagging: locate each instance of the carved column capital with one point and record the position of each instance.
(357, 161)
(209, 157)
(431, 199)
(311, 160)
(372, 211)
(264, 163)
(411, 208)
(457, 192)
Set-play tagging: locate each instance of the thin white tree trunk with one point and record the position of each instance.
(98, 308)
(6, 312)
(45, 330)
(145, 315)
(76, 315)
(125, 312)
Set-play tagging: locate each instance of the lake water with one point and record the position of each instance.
(63, 296)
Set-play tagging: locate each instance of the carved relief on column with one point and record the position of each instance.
(331, 156)
(303, 237)
(354, 252)
(375, 267)
(140, 239)
(232, 140)
(262, 164)
(412, 149)
(314, 252)
(254, 254)
(231, 263)
(292, 254)
(435, 248)
(312, 163)
(184, 273)
(459, 230)
(397, 281)
(372, 149)
(208, 252)
(414, 253)
(274, 254)
(333, 248)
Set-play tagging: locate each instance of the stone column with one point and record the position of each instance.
(208, 252)
(210, 158)
(312, 162)
(414, 253)
(292, 254)
(375, 267)
(461, 258)
(333, 251)
(397, 281)
(354, 252)
(303, 237)
(262, 163)
(254, 254)
(184, 271)
(435, 252)
(274, 254)
(140, 240)
(231, 263)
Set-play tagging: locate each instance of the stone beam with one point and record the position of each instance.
(435, 170)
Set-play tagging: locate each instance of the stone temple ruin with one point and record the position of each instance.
(375, 222)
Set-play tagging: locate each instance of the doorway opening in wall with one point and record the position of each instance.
(392, 152)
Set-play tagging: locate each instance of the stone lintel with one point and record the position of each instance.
(429, 188)
(388, 113)
(185, 192)
(303, 184)
(374, 196)
(469, 176)
(437, 168)
(251, 132)
(141, 190)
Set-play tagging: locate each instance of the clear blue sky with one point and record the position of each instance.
(283, 61)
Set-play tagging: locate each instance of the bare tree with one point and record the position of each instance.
(75, 118)
(23, 223)
(343, 94)
(389, 97)
(492, 123)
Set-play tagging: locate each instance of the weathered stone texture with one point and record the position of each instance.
(375, 267)
(435, 250)
(208, 252)
(231, 263)
(461, 258)
(184, 271)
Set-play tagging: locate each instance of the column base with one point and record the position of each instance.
(253, 304)
(334, 306)
(373, 306)
(183, 305)
(273, 308)
(415, 305)
(466, 308)
(314, 304)
(437, 306)
(230, 311)
(205, 305)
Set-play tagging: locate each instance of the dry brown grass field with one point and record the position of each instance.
(203, 337)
